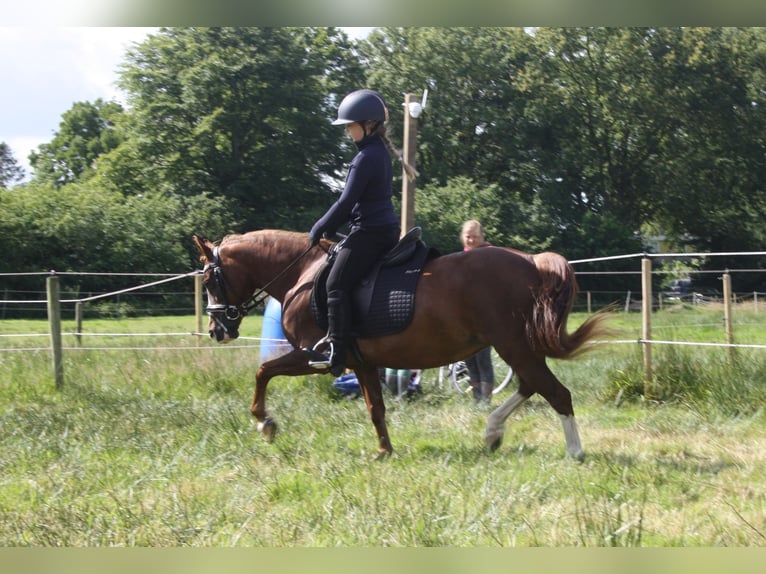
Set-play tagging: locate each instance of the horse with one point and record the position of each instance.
(464, 301)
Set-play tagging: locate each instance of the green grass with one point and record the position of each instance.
(157, 448)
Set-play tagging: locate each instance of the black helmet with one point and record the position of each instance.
(362, 105)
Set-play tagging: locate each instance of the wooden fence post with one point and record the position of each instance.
(727, 312)
(589, 302)
(54, 322)
(78, 322)
(198, 306)
(646, 308)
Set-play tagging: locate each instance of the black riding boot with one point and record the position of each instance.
(334, 345)
(339, 325)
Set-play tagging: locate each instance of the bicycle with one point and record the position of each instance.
(457, 373)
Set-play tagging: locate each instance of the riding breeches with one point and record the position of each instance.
(357, 256)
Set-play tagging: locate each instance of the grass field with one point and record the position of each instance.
(156, 447)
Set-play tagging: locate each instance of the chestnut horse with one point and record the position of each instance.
(516, 302)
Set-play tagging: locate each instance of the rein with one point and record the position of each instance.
(234, 312)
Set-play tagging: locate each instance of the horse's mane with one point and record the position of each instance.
(263, 235)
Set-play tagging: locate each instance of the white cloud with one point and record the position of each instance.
(45, 70)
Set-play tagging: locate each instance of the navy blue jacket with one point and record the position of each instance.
(366, 199)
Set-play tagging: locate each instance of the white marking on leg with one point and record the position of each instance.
(574, 446)
(496, 421)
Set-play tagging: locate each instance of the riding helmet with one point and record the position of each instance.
(362, 105)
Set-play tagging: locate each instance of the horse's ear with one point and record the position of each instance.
(204, 246)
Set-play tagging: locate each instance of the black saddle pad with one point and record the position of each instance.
(384, 301)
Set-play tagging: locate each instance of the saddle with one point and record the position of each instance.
(384, 301)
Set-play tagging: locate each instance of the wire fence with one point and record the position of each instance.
(640, 299)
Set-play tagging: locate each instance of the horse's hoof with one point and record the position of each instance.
(269, 429)
(493, 442)
(382, 454)
(578, 456)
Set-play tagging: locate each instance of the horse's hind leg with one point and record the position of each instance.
(495, 429)
(373, 397)
(543, 381)
(536, 377)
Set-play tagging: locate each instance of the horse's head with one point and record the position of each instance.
(225, 307)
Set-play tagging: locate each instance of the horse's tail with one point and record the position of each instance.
(547, 329)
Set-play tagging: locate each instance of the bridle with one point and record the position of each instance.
(226, 315)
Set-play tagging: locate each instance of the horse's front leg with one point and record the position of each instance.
(373, 397)
(293, 363)
(266, 424)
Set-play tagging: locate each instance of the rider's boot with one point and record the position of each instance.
(334, 345)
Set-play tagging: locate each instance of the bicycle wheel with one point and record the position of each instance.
(458, 374)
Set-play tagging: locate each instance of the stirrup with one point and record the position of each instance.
(320, 360)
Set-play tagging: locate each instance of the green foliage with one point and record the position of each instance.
(507, 220)
(633, 125)
(473, 126)
(10, 170)
(236, 112)
(574, 140)
(86, 132)
(80, 227)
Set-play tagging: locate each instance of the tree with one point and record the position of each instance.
(86, 131)
(238, 112)
(10, 171)
(714, 168)
(472, 126)
(82, 227)
(601, 129)
(508, 221)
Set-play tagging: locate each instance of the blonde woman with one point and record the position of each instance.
(480, 369)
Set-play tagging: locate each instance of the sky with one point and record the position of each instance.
(45, 70)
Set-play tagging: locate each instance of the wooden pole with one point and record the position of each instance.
(408, 153)
(54, 322)
(727, 312)
(198, 306)
(646, 308)
(78, 322)
(589, 302)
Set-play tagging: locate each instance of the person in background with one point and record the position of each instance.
(403, 382)
(480, 369)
